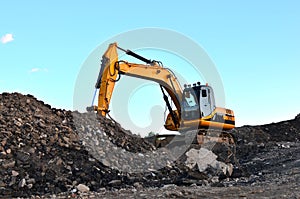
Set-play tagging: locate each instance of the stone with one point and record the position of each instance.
(22, 183)
(3, 142)
(83, 188)
(12, 181)
(105, 163)
(19, 124)
(59, 161)
(9, 164)
(2, 184)
(137, 185)
(31, 181)
(14, 173)
(115, 182)
(168, 186)
(204, 158)
(215, 179)
(8, 151)
(30, 186)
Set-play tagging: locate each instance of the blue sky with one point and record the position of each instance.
(255, 46)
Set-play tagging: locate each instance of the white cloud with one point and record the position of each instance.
(7, 38)
(34, 70)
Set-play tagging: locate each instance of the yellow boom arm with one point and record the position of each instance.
(112, 68)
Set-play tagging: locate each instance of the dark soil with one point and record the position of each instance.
(46, 151)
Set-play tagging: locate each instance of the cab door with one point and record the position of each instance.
(205, 102)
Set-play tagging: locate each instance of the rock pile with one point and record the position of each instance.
(252, 139)
(40, 152)
(44, 150)
(268, 154)
(47, 150)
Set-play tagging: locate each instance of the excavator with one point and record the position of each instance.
(195, 108)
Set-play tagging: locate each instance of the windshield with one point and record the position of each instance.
(189, 99)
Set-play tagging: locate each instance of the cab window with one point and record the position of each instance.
(189, 99)
(204, 93)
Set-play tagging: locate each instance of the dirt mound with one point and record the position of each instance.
(252, 139)
(47, 150)
(40, 151)
(44, 150)
(268, 154)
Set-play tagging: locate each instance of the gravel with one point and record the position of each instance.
(48, 152)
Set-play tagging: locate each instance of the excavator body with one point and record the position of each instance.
(199, 110)
(195, 107)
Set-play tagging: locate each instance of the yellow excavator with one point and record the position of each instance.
(195, 104)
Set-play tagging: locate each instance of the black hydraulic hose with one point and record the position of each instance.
(129, 52)
(174, 118)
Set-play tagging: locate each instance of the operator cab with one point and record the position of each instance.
(198, 101)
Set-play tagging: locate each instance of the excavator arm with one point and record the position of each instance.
(111, 69)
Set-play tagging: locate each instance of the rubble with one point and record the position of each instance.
(204, 158)
(46, 151)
